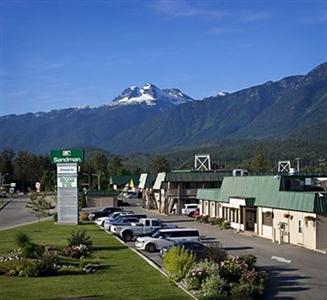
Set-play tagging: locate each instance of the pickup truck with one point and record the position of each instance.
(143, 226)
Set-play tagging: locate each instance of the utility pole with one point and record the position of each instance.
(98, 175)
(298, 164)
(88, 180)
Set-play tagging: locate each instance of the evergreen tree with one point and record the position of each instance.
(159, 164)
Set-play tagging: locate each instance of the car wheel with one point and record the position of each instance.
(150, 247)
(127, 236)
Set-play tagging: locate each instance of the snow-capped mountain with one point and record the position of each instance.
(151, 95)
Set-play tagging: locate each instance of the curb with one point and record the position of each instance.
(23, 224)
(6, 203)
(152, 264)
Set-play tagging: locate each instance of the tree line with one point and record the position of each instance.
(25, 169)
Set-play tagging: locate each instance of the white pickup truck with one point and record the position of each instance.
(145, 225)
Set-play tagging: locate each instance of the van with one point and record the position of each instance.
(165, 238)
(189, 209)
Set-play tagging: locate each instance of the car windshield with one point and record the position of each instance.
(156, 234)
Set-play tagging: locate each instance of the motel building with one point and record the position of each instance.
(284, 208)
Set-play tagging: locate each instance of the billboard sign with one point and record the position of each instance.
(67, 156)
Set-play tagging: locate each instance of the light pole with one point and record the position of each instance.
(2, 179)
(98, 175)
(89, 180)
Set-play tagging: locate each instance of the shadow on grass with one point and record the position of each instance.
(75, 271)
(88, 297)
(110, 248)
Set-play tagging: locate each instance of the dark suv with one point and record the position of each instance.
(104, 212)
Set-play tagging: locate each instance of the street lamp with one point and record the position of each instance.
(89, 180)
(98, 175)
(2, 179)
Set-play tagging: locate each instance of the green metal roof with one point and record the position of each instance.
(193, 176)
(208, 194)
(122, 180)
(266, 192)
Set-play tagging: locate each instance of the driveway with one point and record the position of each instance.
(294, 272)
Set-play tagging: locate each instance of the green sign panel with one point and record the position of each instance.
(67, 156)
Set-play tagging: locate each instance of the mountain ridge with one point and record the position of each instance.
(279, 109)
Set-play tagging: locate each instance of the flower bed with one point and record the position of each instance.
(231, 278)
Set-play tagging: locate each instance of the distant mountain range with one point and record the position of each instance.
(151, 119)
(151, 95)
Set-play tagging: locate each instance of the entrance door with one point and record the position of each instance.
(250, 218)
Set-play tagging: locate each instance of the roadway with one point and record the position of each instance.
(15, 213)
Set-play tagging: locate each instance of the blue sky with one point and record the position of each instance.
(69, 53)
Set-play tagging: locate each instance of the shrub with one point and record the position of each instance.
(199, 273)
(203, 219)
(246, 291)
(13, 267)
(78, 238)
(55, 217)
(177, 262)
(83, 216)
(22, 239)
(80, 251)
(249, 259)
(254, 277)
(224, 224)
(232, 269)
(215, 253)
(32, 250)
(213, 288)
(46, 266)
(28, 249)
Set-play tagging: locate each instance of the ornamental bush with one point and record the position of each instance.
(80, 251)
(78, 238)
(213, 288)
(215, 252)
(246, 291)
(232, 269)
(177, 262)
(199, 273)
(249, 259)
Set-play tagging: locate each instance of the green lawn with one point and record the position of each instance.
(125, 276)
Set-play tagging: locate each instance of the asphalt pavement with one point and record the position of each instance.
(15, 213)
(294, 272)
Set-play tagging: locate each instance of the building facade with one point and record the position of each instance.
(285, 209)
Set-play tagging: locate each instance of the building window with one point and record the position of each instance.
(300, 226)
(267, 218)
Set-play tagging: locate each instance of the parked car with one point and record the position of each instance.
(108, 223)
(123, 222)
(103, 212)
(142, 234)
(165, 238)
(196, 248)
(112, 216)
(189, 209)
(143, 226)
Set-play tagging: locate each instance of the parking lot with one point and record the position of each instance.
(294, 272)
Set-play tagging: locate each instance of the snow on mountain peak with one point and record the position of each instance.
(150, 95)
